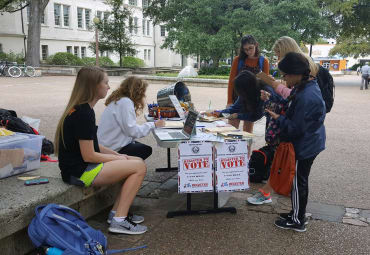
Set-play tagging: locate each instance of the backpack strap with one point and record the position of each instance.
(264, 155)
(124, 250)
(261, 60)
(240, 65)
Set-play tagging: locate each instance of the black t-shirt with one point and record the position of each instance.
(79, 124)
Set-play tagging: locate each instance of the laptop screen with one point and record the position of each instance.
(190, 122)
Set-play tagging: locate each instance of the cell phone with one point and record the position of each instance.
(36, 181)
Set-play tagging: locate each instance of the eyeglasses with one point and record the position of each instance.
(249, 48)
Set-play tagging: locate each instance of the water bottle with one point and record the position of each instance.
(53, 251)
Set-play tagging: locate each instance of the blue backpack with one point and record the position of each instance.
(64, 228)
(261, 59)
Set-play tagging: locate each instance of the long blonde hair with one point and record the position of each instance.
(133, 88)
(286, 44)
(84, 91)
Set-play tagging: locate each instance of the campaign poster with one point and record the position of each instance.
(231, 164)
(195, 167)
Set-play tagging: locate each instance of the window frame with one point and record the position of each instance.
(64, 15)
(82, 18)
(78, 51)
(60, 15)
(45, 55)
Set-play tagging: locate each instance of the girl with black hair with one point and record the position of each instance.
(249, 59)
(303, 126)
(248, 106)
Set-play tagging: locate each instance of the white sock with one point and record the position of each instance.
(119, 219)
(114, 212)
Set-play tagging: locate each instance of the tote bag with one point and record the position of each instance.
(283, 169)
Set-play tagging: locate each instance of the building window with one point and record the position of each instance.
(148, 28)
(132, 2)
(69, 49)
(136, 21)
(326, 65)
(130, 24)
(99, 15)
(163, 31)
(44, 52)
(79, 17)
(66, 15)
(87, 18)
(144, 22)
(83, 52)
(149, 54)
(77, 51)
(144, 54)
(57, 14)
(145, 3)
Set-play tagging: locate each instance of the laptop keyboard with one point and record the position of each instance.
(177, 135)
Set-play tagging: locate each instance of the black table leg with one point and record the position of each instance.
(188, 210)
(168, 168)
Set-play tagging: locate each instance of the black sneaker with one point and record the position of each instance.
(288, 224)
(288, 216)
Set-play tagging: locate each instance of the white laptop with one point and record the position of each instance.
(185, 133)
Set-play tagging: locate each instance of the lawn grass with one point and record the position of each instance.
(222, 77)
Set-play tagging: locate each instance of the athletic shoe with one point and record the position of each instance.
(259, 199)
(288, 224)
(288, 216)
(126, 227)
(134, 218)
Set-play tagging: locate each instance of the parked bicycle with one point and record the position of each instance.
(14, 70)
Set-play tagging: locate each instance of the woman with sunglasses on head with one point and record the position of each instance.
(303, 126)
(281, 47)
(249, 59)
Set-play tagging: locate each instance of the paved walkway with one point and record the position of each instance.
(339, 180)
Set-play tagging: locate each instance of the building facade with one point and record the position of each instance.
(320, 53)
(67, 26)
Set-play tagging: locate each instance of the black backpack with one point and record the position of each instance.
(327, 87)
(260, 163)
(10, 121)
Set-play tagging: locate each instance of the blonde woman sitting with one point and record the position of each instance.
(118, 128)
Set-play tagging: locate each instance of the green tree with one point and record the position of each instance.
(114, 32)
(351, 20)
(37, 7)
(213, 28)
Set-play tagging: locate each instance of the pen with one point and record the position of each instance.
(201, 126)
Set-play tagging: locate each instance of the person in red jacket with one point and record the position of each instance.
(249, 59)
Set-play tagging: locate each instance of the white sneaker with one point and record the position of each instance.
(259, 199)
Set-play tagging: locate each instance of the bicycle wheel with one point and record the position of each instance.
(29, 71)
(14, 71)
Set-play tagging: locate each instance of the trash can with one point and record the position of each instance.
(179, 89)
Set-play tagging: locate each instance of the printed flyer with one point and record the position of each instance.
(231, 161)
(195, 167)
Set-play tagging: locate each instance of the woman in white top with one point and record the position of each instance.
(118, 128)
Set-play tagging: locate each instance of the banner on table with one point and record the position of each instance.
(195, 161)
(231, 165)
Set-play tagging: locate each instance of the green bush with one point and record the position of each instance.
(211, 70)
(12, 57)
(66, 59)
(105, 61)
(133, 62)
(88, 61)
(355, 66)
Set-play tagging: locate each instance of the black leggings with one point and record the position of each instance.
(137, 149)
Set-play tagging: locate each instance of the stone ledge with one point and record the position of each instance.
(18, 203)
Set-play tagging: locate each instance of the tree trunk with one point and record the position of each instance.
(34, 31)
(216, 61)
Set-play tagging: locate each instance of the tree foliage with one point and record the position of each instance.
(37, 7)
(351, 20)
(114, 31)
(213, 28)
